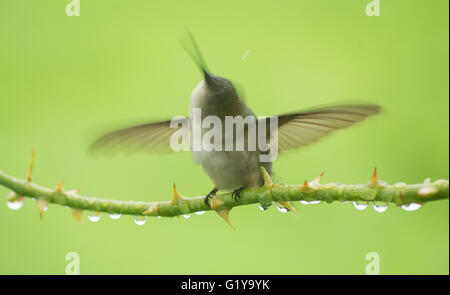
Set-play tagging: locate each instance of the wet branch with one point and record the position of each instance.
(400, 194)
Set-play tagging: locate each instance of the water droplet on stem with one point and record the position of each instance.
(380, 208)
(282, 209)
(94, 217)
(411, 207)
(140, 220)
(360, 206)
(262, 207)
(115, 216)
(15, 205)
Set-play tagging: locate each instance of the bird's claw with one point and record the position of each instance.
(236, 195)
(206, 199)
(210, 195)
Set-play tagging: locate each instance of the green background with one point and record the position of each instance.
(64, 80)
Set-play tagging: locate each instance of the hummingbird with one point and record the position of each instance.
(233, 170)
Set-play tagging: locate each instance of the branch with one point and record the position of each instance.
(410, 197)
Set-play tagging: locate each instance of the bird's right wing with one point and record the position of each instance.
(150, 137)
(299, 129)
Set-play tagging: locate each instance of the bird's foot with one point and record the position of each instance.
(209, 196)
(236, 194)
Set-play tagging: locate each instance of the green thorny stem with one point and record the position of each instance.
(375, 191)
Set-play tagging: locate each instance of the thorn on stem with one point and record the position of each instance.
(176, 197)
(42, 207)
(305, 186)
(225, 214)
(59, 188)
(267, 179)
(374, 181)
(78, 216)
(31, 167)
(316, 180)
(288, 205)
(153, 210)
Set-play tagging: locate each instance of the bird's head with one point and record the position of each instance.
(212, 86)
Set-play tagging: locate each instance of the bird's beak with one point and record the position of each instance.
(208, 78)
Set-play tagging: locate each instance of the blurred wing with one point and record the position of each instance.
(151, 137)
(300, 129)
